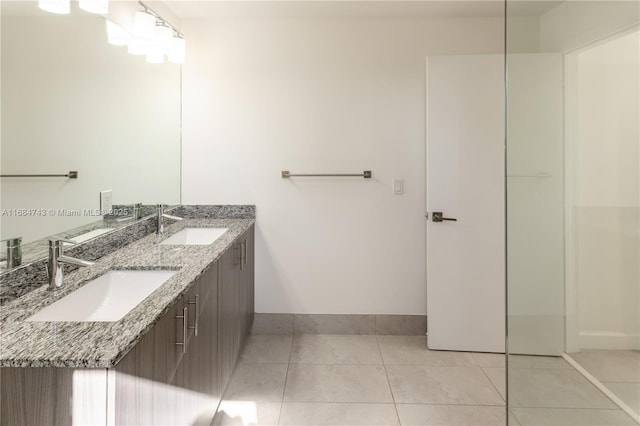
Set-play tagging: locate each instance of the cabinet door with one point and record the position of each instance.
(167, 355)
(207, 355)
(52, 396)
(246, 285)
(249, 277)
(130, 385)
(210, 335)
(140, 390)
(141, 382)
(199, 365)
(228, 344)
(242, 294)
(178, 398)
(190, 380)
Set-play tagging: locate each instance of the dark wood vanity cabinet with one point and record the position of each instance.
(160, 381)
(235, 303)
(170, 377)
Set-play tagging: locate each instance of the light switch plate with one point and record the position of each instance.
(398, 186)
(106, 201)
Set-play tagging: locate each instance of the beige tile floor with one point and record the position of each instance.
(618, 370)
(395, 380)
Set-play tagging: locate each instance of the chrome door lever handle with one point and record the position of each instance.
(437, 217)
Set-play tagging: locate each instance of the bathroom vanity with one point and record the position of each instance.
(167, 361)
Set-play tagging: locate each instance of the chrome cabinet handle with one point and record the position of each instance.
(184, 316)
(242, 254)
(195, 326)
(245, 251)
(238, 259)
(438, 217)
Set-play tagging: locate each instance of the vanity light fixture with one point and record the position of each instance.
(160, 45)
(138, 46)
(116, 35)
(177, 50)
(151, 36)
(61, 7)
(100, 7)
(143, 26)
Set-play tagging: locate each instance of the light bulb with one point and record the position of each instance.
(177, 50)
(61, 7)
(116, 35)
(162, 38)
(137, 46)
(155, 56)
(143, 26)
(95, 6)
(160, 45)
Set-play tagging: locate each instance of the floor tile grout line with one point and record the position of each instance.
(569, 408)
(286, 376)
(390, 364)
(493, 384)
(386, 373)
(310, 401)
(613, 397)
(435, 404)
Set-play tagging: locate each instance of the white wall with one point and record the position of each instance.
(574, 24)
(538, 263)
(535, 261)
(594, 242)
(324, 95)
(608, 193)
(71, 101)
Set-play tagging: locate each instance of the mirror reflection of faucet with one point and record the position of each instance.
(134, 213)
(13, 256)
(57, 259)
(161, 215)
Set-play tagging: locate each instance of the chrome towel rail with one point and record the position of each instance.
(366, 174)
(70, 175)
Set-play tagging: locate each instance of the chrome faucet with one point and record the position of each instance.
(14, 252)
(57, 259)
(161, 215)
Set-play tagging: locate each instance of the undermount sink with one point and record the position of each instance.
(107, 298)
(195, 236)
(88, 235)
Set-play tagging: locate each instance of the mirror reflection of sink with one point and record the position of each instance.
(88, 235)
(107, 298)
(195, 236)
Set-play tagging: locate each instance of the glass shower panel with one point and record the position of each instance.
(573, 216)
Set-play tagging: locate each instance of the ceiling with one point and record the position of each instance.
(202, 9)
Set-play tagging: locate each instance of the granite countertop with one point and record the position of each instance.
(103, 344)
(38, 249)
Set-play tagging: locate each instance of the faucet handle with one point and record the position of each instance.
(55, 241)
(12, 242)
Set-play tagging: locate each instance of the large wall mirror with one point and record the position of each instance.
(73, 102)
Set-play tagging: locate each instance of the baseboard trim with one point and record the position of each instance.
(609, 340)
(289, 324)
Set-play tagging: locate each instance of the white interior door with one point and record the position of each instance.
(465, 181)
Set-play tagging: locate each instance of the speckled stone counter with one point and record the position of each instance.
(103, 344)
(34, 250)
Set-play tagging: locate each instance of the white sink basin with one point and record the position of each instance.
(107, 298)
(195, 236)
(88, 235)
